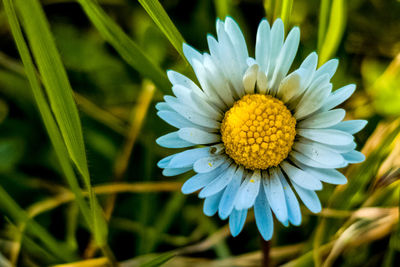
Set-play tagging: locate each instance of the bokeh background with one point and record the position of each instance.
(149, 220)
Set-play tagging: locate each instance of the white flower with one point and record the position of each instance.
(260, 134)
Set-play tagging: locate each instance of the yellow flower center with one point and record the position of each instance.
(258, 131)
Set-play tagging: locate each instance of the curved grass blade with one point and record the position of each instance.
(127, 48)
(55, 81)
(161, 18)
(51, 126)
(286, 12)
(159, 259)
(334, 34)
(323, 21)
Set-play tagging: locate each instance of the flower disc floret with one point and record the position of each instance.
(258, 131)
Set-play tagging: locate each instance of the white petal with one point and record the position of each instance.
(207, 108)
(310, 62)
(328, 68)
(319, 153)
(191, 115)
(238, 41)
(236, 221)
(218, 81)
(163, 106)
(309, 198)
(293, 207)
(354, 156)
(350, 127)
(286, 57)
(300, 177)
(197, 136)
(262, 82)
(176, 120)
(175, 171)
(228, 198)
(178, 79)
(248, 191)
(263, 44)
(327, 136)
(275, 195)
(289, 86)
(203, 78)
(323, 119)
(276, 39)
(172, 140)
(218, 183)
(313, 98)
(263, 215)
(330, 176)
(163, 163)
(250, 78)
(208, 164)
(299, 157)
(339, 96)
(342, 149)
(188, 157)
(211, 204)
(229, 61)
(191, 54)
(200, 180)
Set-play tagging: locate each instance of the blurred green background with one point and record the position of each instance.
(115, 53)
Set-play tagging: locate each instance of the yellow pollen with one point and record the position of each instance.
(258, 131)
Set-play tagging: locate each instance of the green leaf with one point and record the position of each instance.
(49, 121)
(323, 21)
(161, 18)
(127, 48)
(55, 81)
(334, 34)
(159, 259)
(286, 12)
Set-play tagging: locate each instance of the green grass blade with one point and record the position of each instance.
(20, 217)
(334, 34)
(127, 48)
(55, 81)
(323, 21)
(286, 12)
(223, 8)
(159, 260)
(49, 121)
(161, 18)
(269, 9)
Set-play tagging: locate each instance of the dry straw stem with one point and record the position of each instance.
(67, 196)
(364, 232)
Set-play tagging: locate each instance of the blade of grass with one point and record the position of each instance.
(286, 12)
(222, 8)
(55, 81)
(269, 9)
(163, 21)
(51, 125)
(61, 100)
(158, 259)
(323, 21)
(277, 9)
(334, 33)
(19, 216)
(126, 47)
(358, 179)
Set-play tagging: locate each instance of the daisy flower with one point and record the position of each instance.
(255, 135)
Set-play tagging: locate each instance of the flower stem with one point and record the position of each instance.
(265, 248)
